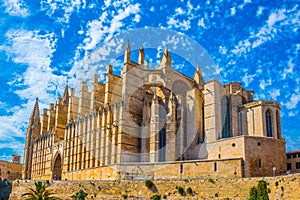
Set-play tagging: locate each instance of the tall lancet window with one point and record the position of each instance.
(278, 124)
(269, 123)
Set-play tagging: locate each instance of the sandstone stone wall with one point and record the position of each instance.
(235, 188)
(10, 170)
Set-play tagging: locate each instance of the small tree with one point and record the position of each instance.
(149, 184)
(39, 193)
(180, 190)
(253, 193)
(260, 192)
(189, 191)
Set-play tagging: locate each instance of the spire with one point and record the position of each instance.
(65, 97)
(166, 58)
(141, 56)
(198, 75)
(35, 115)
(127, 53)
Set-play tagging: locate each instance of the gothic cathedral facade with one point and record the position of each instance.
(155, 123)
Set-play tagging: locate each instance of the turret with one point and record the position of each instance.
(127, 53)
(198, 76)
(33, 132)
(166, 58)
(141, 56)
(65, 97)
(35, 115)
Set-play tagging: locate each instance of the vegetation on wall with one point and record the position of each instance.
(260, 192)
(39, 193)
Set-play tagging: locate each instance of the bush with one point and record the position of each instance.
(149, 184)
(282, 188)
(211, 181)
(189, 190)
(180, 190)
(125, 196)
(155, 197)
(259, 192)
(276, 184)
(253, 193)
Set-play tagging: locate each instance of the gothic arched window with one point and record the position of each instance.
(278, 124)
(269, 123)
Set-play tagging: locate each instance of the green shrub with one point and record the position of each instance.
(189, 190)
(125, 196)
(180, 190)
(211, 181)
(260, 192)
(156, 197)
(253, 193)
(282, 188)
(276, 184)
(149, 184)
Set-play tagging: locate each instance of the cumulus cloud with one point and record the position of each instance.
(183, 25)
(16, 8)
(247, 79)
(263, 84)
(182, 17)
(293, 101)
(98, 29)
(34, 49)
(67, 7)
(269, 30)
(30, 47)
(274, 93)
(259, 11)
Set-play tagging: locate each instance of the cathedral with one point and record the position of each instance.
(154, 123)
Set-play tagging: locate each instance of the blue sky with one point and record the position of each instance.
(44, 43)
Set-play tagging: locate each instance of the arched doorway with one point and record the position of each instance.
(57, 168)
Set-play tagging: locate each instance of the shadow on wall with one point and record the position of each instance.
(5, 190)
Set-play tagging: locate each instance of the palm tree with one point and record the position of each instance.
(79, 195)
(40, 192)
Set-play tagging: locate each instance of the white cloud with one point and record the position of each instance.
(30, 47)
(276, 17)
(293, 101)
(97, 30)
(259, 11)
(263, 84)
(293, 113)
(247, 79)
(52, 7)
(232, 11)
(107, 3)
(280, 17)
(201, 22)
(183, 25)
(274, 93)
(179, 11)
(34, 49)
(222, 50)
(289, 69)
(16, 8)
